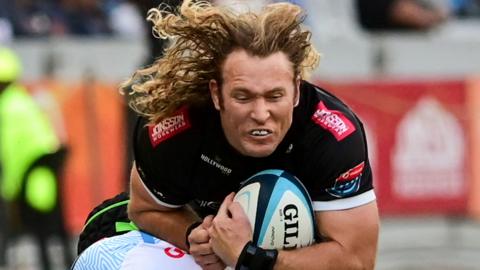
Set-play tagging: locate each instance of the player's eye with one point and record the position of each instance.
(241, 97)
(275, 97)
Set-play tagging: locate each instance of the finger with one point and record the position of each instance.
(201, 249)
(207, 259)
(207, 221)
(236, 210)
(223, 210)
(198, 235)
(211, 233)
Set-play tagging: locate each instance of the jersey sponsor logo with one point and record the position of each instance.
(175, 253)
(334, 121)
(216, 164)
(169, 127)
(348, 182)
(209, 204)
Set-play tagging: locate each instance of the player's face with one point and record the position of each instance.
(256, 101)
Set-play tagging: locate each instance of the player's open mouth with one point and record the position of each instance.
(260, 132)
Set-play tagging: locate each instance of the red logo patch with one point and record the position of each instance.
(348, 182)
(169, 127)
(334, 121)
(352, 173)
(174, 253)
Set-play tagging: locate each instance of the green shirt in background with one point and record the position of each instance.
(25, 135)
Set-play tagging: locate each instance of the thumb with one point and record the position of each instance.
(236, 210)
(223, 210)
(207, 221)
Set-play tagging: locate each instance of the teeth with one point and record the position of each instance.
(260, 132)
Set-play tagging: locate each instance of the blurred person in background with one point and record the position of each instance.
(30, 18)
(375, 15)
(85, 17)
(31, 159)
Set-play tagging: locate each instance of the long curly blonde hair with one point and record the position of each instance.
(202, 36)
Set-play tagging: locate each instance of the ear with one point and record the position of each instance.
(214, 93)
(297, 91)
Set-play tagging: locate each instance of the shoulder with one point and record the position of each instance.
(175, 134)
(170, 129)
(175, 125)
(331, 130)
(109, 252)
(153, 252)
(333, 149)
(326, 115)
(166, 152)
(134, 250)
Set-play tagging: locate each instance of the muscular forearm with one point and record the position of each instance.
(170, 226)
(352, 241)
(326, 255)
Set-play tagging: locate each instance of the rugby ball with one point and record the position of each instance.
(279, 210)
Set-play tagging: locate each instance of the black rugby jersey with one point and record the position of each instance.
(186, 158)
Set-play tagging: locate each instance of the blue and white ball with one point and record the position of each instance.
(279, 209)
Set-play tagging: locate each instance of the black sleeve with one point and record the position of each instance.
(164, 168)
(338, 167)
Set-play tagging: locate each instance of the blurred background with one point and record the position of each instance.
(409, 68)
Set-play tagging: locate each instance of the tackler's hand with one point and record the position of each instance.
(230, 231)
(201, 249)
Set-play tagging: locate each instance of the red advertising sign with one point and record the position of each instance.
(418, 142)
